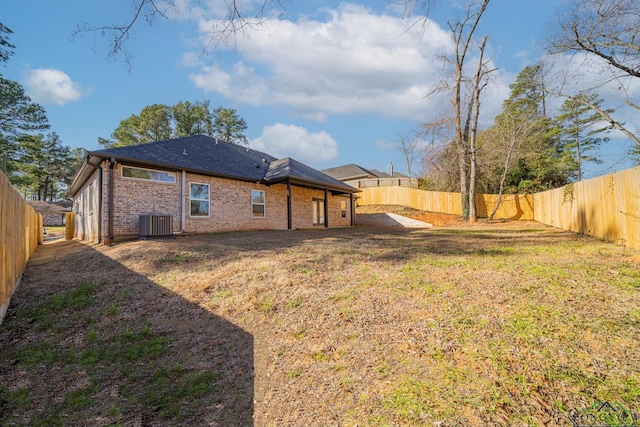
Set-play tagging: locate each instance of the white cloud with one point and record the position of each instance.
(354, 62)
(385, 145)
(51, 86)
(281, 140)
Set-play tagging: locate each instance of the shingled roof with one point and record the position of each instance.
(349, 172)
(209, 156)
(42, 206)
(301, 174)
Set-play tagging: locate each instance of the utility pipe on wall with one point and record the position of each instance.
(112, 164)
(183, 210)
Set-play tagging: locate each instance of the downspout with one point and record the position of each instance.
(289, 221)
(183, 211)
(351, 210)
(326, 208)
(100, 196)
(112, 164)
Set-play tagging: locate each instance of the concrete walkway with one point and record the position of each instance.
(390, 220)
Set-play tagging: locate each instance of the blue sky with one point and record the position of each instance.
(327, 83)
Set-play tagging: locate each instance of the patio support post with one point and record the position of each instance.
(351, 210)
(326, 208)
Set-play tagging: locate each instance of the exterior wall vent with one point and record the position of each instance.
(156, 226)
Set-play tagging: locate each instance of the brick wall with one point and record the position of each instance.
(52, 218)
(230, 205)
(135, 197)
(302, 207)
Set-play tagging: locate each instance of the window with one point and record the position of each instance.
(90, 190)
(258, 203)
(318, 212)
(149, 174)
(343, 209)
(199, 198)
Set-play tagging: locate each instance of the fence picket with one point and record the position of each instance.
(20, 234)
(607, 207)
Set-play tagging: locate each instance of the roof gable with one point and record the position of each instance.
(347, 172)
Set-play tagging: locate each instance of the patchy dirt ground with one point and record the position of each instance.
(436, 219)
(440, 220)
(505, 323)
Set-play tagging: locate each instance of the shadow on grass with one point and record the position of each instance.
(89, 342)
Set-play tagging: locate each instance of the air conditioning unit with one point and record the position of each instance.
(156, 226)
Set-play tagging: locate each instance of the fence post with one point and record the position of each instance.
(69, 225)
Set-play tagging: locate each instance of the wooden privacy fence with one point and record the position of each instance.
(20, 234)
(513, 206)
(607, 207)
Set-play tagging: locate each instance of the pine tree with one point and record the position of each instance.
(580, 129)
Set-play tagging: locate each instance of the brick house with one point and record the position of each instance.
(359, 177)
(53, 213)
(202, 185)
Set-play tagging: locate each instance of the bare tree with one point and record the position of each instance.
(437, 161)
(465, 116)
(511, 130)
(607, 30)
(241, 17)
(408, 145)
(238, 21)
(479, 83)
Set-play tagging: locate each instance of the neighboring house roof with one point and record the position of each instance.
(42, 206)
(349, 172)
(386, 175)
(352, 172)
(209, 156)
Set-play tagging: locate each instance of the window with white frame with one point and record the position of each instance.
(258, 203)
(199, 198)
(343, 209)
(148, 174)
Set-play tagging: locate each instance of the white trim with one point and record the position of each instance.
(171, 174)
(264, 204)
(200, 200)
(90, 197)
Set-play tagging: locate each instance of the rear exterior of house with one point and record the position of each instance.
(112, 192)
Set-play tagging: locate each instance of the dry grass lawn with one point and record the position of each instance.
(496, 324)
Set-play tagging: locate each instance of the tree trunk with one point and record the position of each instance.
(462, 42)
(503, 178)
(474, 113)
(578, 158)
